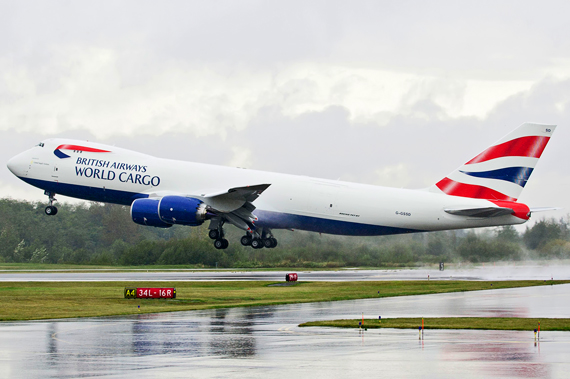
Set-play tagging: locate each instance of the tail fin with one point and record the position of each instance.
(502, 170)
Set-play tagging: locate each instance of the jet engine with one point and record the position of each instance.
(182, 210)
(169, 210)
(145, 212)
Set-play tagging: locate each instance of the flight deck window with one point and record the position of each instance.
(41, 144)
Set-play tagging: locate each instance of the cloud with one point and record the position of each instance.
(86, 90)
(393, 176)
(398, 94)
(241, 158)
(133, 68)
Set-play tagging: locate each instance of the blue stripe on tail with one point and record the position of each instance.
(518, 175)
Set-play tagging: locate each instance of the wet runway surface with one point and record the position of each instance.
(511, 272)
(265, 342)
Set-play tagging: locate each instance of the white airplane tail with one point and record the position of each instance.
(501, 171)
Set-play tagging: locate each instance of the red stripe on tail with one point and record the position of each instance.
(531, 147)
(453, 188)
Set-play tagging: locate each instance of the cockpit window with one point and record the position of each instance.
(41, 144)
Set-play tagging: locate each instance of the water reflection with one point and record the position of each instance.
(233, 337)
(509, 356)
(224, 342)
(153, 334)
(51, 342)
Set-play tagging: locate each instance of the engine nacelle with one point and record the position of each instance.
(169, 210)
(182, 210)
(145, 212)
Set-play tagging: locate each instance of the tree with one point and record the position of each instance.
(541, 233)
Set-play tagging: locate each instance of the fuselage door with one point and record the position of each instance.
(55, 173)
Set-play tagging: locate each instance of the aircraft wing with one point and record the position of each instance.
(481, 212)
(233, 206)
(234, 198)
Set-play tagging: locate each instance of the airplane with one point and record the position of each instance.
(161, 192)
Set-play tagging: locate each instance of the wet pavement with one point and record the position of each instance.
(499, 272)
(264, 342)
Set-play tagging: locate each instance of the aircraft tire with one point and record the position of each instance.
(219, 244)
(51, 210)
(225, 243)
(268, 243)
(273, 242)
(213, 234)
(245, 240)
(257, 244)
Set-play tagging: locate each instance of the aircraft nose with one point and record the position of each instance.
(17, 165)
(11, 165)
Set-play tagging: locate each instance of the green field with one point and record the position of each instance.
(47, 300)
(481, 323)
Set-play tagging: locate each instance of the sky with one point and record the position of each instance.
(391, 93)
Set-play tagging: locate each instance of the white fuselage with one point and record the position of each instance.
(291, 202)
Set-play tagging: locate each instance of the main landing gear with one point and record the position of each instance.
(252, 239)
(267, 240)
(218, 236)
(51, 210)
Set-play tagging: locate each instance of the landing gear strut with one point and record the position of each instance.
(217, 235)
(51, 210)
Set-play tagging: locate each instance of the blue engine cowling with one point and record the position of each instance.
(169, 210)
(182, 210)
(145, 212)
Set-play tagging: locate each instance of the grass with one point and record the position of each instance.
(481, 323)
(47, 300)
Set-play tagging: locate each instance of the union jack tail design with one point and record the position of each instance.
(501, 171)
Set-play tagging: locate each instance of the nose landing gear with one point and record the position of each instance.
(51, 210)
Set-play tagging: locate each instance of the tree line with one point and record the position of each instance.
(104, 234)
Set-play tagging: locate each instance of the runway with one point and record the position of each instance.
(265, 342)
(499, 272)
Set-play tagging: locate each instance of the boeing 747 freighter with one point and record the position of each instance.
(161, 192)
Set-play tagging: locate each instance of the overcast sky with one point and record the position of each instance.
(395, 93)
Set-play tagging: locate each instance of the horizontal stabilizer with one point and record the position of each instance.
(481, 212)
(544, 209)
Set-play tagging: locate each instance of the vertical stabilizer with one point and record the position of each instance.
(501, 171)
